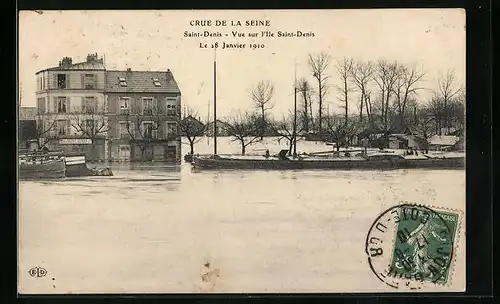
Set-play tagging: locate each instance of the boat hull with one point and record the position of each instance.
(389, 164)
(50, 169)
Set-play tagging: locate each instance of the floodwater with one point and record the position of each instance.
(154, 228)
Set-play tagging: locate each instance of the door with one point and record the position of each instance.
(124, 154)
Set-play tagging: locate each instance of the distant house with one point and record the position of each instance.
(442, 142)
(221, 129)
(405, 141)
(27, 126)
(193, 123)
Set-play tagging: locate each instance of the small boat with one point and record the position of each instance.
(74, 164)
(41, 167)
(360, 161)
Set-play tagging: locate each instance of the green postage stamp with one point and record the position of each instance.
(413, 246)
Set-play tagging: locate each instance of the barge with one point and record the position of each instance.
(41, 167)
(49, 165)
(360, 161)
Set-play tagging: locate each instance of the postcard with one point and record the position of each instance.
(245, 151)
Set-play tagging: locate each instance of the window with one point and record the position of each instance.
(89, 106)
(156, 82)
(124, 104)
(147, 108)
(171, 106)
(40, 105)
(148, 129)
(61, 81)
(123, 129)
(62, 127)
(123, 81)
(61, 104)
(89, 81)
(43, 82)
(89, 126)
(171, 129)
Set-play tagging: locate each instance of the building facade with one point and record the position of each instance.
(143, 116)
(109, 115)
(71, 106)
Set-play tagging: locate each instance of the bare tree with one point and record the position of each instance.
(385, 78)
(406, 87)
(338, 130)
(243, 127)
(447, 89)
(191, 128)
(90, 124)
(361, 74)
(44, 128)
(285, 130)
(305, 91)
(425, 124)
(344, 69)
(261, 95)
(142, 128)
(318, 63)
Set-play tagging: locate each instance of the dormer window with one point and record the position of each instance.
(156, 82)
(123, 81)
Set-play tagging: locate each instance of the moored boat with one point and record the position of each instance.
(360, 161)
(33, 167)
(41, 164)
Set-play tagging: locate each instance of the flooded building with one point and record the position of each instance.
(27, 131)
(143, 116)
(71, 108)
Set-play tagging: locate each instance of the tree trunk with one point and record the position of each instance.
(191, 144)
(243, 147)
(320, 105)
(263, 127)
(361, 109)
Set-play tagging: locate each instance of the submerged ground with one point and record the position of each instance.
(155, 228)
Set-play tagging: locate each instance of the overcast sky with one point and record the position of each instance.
(153, 40)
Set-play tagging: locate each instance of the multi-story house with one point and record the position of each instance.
(71, 106)
(144, 112)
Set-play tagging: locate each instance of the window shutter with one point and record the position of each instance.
(83, 80)
(82, 104)
(67, 81)
(68, 104)
(54, 101)
(95, 81)
(155, 130)
(54, 78)
(132, 129)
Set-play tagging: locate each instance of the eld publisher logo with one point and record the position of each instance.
(38, 272)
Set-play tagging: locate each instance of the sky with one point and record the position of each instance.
(154, 40)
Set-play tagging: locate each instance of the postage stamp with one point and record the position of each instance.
(412, 246)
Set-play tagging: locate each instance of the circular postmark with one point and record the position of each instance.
(410, 246)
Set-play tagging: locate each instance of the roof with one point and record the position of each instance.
(443, 140)
(141, 81)
(86, 65)
(27, 113)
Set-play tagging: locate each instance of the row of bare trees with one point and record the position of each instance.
(385, 93)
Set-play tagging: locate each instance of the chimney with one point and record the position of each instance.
(92, 57)
(129, 70)
(65, 62)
